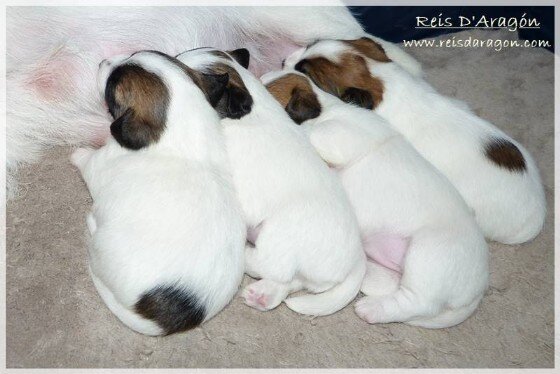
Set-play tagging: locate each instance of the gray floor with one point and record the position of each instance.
(56, 319)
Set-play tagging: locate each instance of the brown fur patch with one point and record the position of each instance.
(138, 101)
(505, 154)
(283, 87)
(296, 96)
(369, 48)
(205, 85)
(335, 78)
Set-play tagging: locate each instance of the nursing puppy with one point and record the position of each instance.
(495, 175)
(429, 259)
(304, 232)
(167, 233)
(52, 55)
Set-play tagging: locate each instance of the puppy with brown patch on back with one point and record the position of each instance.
(428, 260)
(167, 233)
(496, 175)
(299, 219)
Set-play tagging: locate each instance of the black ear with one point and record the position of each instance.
(303, 105)
(242, 56)
(129, 133)
(359, 97)
(302, 66)
(214, 86)
(236, 103)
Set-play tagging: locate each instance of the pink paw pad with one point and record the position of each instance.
(255, 299)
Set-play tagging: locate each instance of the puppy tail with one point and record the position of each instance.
(332, 300)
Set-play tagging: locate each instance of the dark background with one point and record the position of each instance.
(396, 23)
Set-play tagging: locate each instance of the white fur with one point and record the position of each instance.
(398, 55)
(165, 214)
(53, 53)
(308, 232)
(393, 189)
(509, 206)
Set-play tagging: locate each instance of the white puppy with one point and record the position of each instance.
(430, 264)
(495, 175)
(303, 227)
(52, 56)
(167, 232)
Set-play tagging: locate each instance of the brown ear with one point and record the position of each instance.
(133, 133)
(357, 96)
(370, 49)
(303, 105)
(242, 56)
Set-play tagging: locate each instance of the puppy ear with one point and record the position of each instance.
(213, 86)
(237, 102)
(302, 66)
(303, 105)
(242, 56)
(130, 133)
(359, 97)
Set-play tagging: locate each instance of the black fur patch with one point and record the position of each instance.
(505, 154)
(356, 96)
(172, 308)
(235, 103)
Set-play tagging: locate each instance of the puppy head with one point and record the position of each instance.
(142, 89)
(236, 101)
(340, 67)
(295, 93)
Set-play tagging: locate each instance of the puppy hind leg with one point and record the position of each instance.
(253, 262)
(267, 294)
(401, 306)
(271, 257)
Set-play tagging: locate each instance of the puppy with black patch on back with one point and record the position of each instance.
(496, 176)
(428, 259)
(300, 221)
(167, 231)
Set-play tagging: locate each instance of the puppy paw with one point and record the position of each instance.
(263, 295)
(367, 309)
(255, 299)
